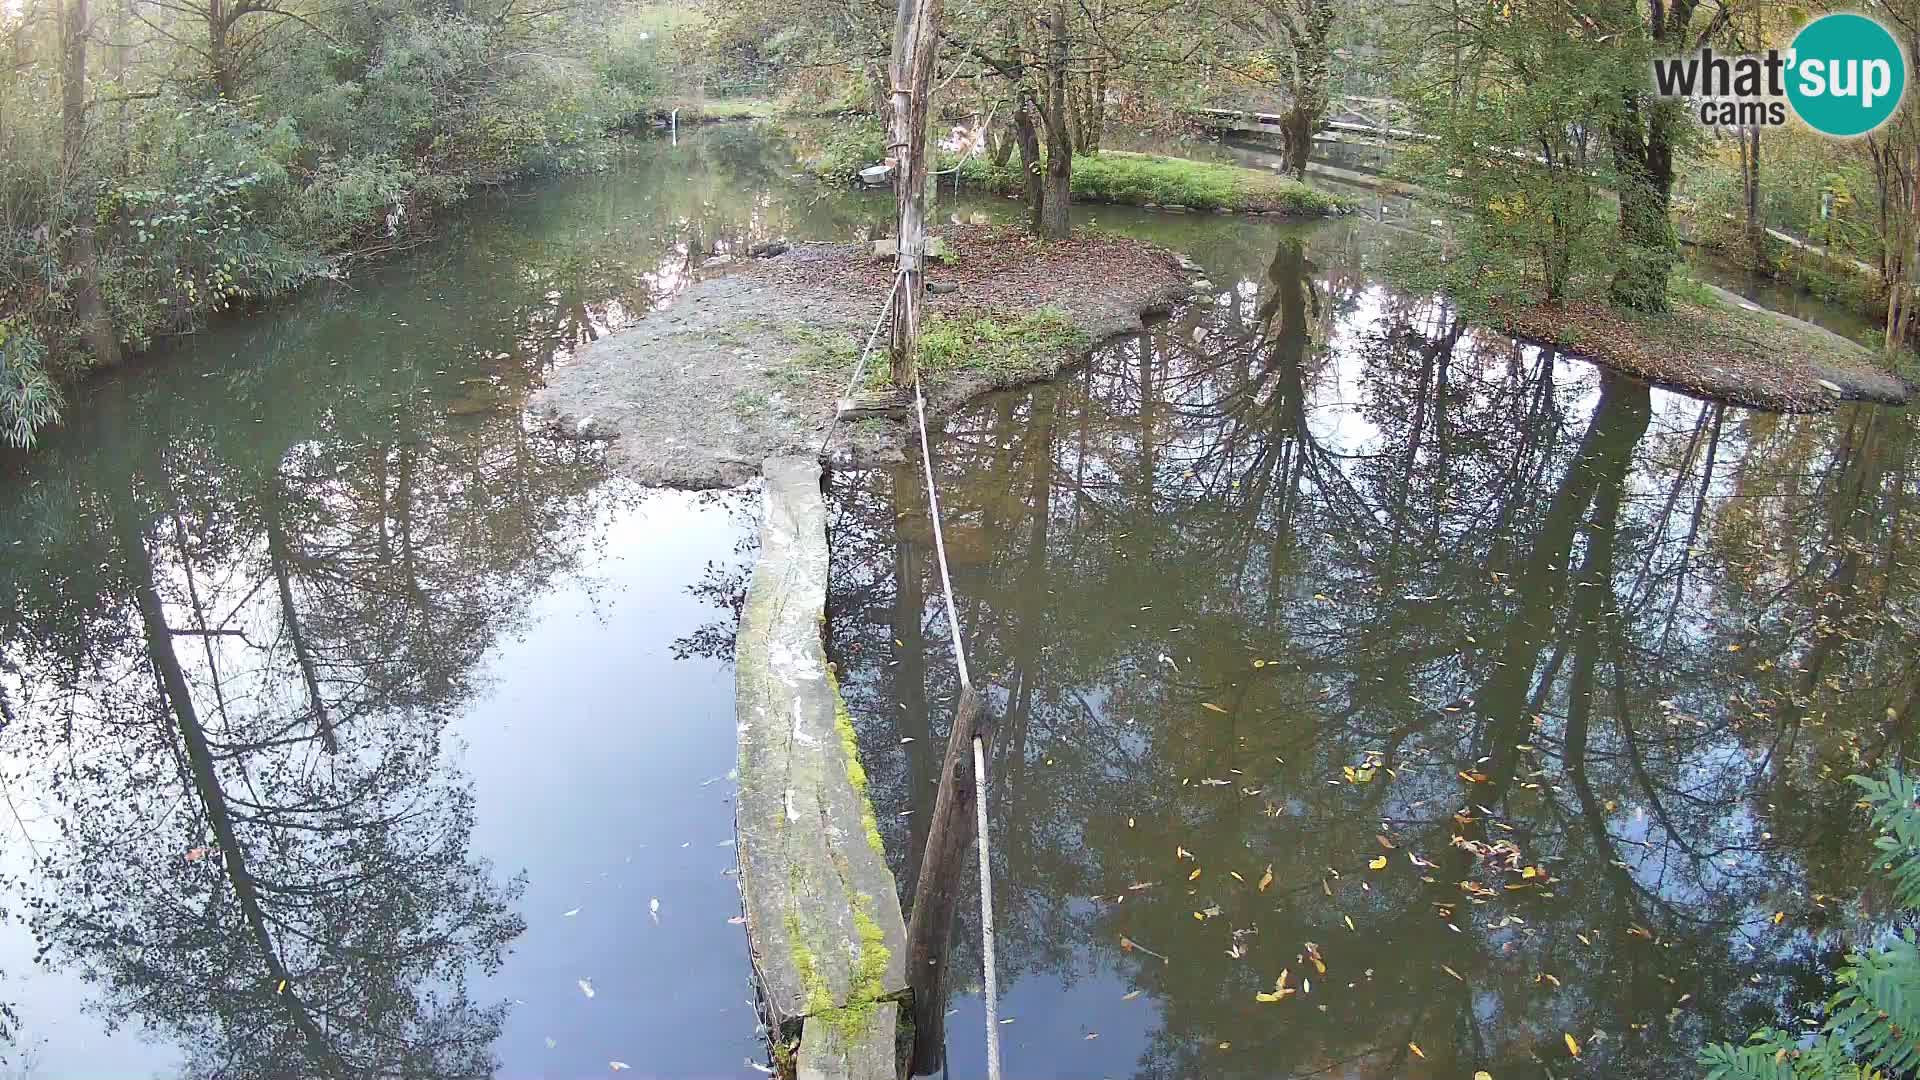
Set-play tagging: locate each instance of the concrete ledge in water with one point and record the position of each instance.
(823, 913)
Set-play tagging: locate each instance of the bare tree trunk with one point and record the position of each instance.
(1900, 254)
(1028, 136)
(915, 32)
(1055, 213)
(1750, 193)
(88, 308)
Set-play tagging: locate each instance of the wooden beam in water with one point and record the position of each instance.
(822, 910)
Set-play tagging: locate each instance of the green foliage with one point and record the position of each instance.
(1873, 1020)
(369, 120)
(29, 401)
(848, 147)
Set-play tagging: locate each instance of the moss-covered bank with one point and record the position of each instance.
(1115, 176)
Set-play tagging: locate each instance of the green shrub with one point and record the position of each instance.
(1873, 1020)
(29, 400)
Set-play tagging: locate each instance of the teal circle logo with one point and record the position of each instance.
(1846, 76)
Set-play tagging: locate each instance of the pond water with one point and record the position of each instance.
(1491, 697)
(354, 727)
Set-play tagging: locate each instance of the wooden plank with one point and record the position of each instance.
(855, 1047)
(822, 910)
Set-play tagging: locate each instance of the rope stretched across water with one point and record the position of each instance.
(861, 364)
(991, 978)
(979, 752)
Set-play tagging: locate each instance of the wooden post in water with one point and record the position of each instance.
(916, 29)
(937, 890)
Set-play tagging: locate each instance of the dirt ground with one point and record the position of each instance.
(749, 361)
(1724, 350)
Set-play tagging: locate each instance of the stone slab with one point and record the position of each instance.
(823, 913)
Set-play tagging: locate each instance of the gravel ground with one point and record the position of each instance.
(749, 360)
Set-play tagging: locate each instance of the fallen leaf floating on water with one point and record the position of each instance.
(1195, 876)
(1092, 1035)
(1266, 879)
(736, 920)
(1452, 972)
(1573, 1046)
(757, 1067)
(1130, 995)
(1182, 853)
(1211, 705)
(282, 987)
(653, 910)
(1483, 1075)
(570, 914)
(616, 1066)
(1417, 1052)
(1384, 842)
(550, 1043)
(1377, 863)
(586, 986)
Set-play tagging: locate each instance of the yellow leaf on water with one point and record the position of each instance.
(1348, 919)
(1451, 972)
(1266, 879)
(1195, 875)
(1417, 1052)
(1779, 917)
(1573, 1046)
(1483, 1075)
(1129, 996)
(1235, 875)
(282, 988)
(1211, 705)
(1378, 863)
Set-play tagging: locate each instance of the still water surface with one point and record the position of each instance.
(320, 667)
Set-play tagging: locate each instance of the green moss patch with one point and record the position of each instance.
(1001, 348)
(1139, 179)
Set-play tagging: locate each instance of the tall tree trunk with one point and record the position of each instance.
(1750, 195)
(1027, 135)
(1643, 156)
(1900, 241)
(219, 54)
(1055, 213)
(916, 30)
(89, 310)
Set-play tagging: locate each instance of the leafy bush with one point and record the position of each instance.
(29, 400)
(1873, 1020)
(850, 147)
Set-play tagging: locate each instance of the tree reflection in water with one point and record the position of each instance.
(1599, 656)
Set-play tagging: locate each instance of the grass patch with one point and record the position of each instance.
(1138, 179)
(1001, 349)
(817, 355)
